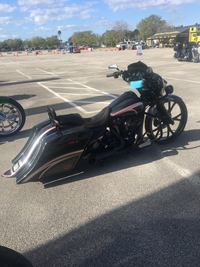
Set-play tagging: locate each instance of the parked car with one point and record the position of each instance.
(76, 50)
(122, 46)
(144, 46)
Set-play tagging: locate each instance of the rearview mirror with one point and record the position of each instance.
(114, 66)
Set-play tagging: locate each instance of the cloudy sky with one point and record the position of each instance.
(28, 18)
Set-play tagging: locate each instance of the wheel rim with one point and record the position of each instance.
(10, 118)
(162, 130)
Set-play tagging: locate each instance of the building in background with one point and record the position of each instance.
(178, 34)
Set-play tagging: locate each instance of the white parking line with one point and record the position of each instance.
(68, 101)
(73, 102)
(47, 72)
(63, 98)
(91, 88)
(190, 81)
(61, 87)
(74, 93)
(69, 85)
(24, 74)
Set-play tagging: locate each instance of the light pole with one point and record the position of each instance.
(173, 16)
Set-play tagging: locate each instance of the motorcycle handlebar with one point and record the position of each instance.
(115, 74)
(110, 75)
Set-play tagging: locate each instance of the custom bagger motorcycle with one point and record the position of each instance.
(58, 144)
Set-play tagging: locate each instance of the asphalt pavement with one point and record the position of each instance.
(139, 209)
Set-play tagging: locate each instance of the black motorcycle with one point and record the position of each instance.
(12, 116)
(178, 50)
(189, 53)
(60, 143)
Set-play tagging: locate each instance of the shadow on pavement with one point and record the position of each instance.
(21, 97)
(116, 162)
(5, 83)
(122, 161)
(161, 229)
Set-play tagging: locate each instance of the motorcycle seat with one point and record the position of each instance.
(75, 119)
(100, 119)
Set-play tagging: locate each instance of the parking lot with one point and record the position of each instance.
(138, 209)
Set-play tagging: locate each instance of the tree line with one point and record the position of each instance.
(120, 32)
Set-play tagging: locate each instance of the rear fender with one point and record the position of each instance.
(50, 152)
(54, 168)
(33, 135)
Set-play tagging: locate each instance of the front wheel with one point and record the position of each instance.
(12, 116)
(12, 258)
(156, 126)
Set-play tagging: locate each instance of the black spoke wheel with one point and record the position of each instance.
(159, 129)
(12, 258)
(12, 117)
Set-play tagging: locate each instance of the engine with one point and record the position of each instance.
(126, 127)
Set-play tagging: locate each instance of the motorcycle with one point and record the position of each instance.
(178, 50)
(62, 142)
(194, 55)
(191, 53)
(12, 116)
(12, 258)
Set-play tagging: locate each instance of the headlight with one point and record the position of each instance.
(164, 83)
(169, 89)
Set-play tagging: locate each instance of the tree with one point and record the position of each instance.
(38, 41)
(12, 44)
(110, 38)
(136, 34)
(52, 41)
(85, 37)
(27, 43)
(151, 25)
(59, 35)
(131, 35)
(17, 44)
(120, 27)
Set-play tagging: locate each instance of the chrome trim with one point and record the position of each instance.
(25, 160)
(129, 108)
(52, 163)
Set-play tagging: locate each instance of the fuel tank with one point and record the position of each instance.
(126, 103)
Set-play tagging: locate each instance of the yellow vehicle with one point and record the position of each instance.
(194, 34)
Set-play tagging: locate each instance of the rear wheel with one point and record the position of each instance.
(156, 126)
(12, 258)
(195, 59)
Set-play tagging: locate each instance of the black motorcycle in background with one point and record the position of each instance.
(130, 122)
(12, 116)
(178, 50)
(188, 52)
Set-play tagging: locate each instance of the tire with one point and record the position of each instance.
(160, 131)
(12, 117)
(12, 258)
(195, 59)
